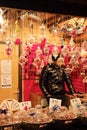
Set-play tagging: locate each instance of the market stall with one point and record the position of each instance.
(36, 37)
(24, 116)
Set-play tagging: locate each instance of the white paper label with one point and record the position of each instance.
(54, 102)
(75, 102)
(25, 105)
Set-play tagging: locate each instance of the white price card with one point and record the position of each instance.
(54, 102)
(25, 105)
(75, 102)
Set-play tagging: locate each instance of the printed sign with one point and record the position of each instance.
(25, 105)
(75, 102)
(54, 102)
(6, 73)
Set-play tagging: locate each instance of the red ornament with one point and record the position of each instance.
(84, 29)
(8, 50)
(73, 33)
(27, 48)
(17, 41)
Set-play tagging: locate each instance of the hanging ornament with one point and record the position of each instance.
(71, 41)
(17, 41)
(36, 62)
(84, 29)
(27, 49)
(3, 22)
(73, 33)
(85, 79)
(83, 53)
(54, 31)
(42, 27)
(43, 43)
(62, 40)
(22, 60)
(55, 50)
(64, 51)
(75, 52)
(46, 50)
(8, 50)
(84, 62)
(82, 73)
(38, 52)
(42, 64)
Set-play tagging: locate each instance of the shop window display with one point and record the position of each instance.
(38, 35)
(41, 34)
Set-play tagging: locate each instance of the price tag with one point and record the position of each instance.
(75, 102)
(25, 105)
(54, 102)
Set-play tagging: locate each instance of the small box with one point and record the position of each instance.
(68, 97)
(36, 98)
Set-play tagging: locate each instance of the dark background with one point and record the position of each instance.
(70, 7)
